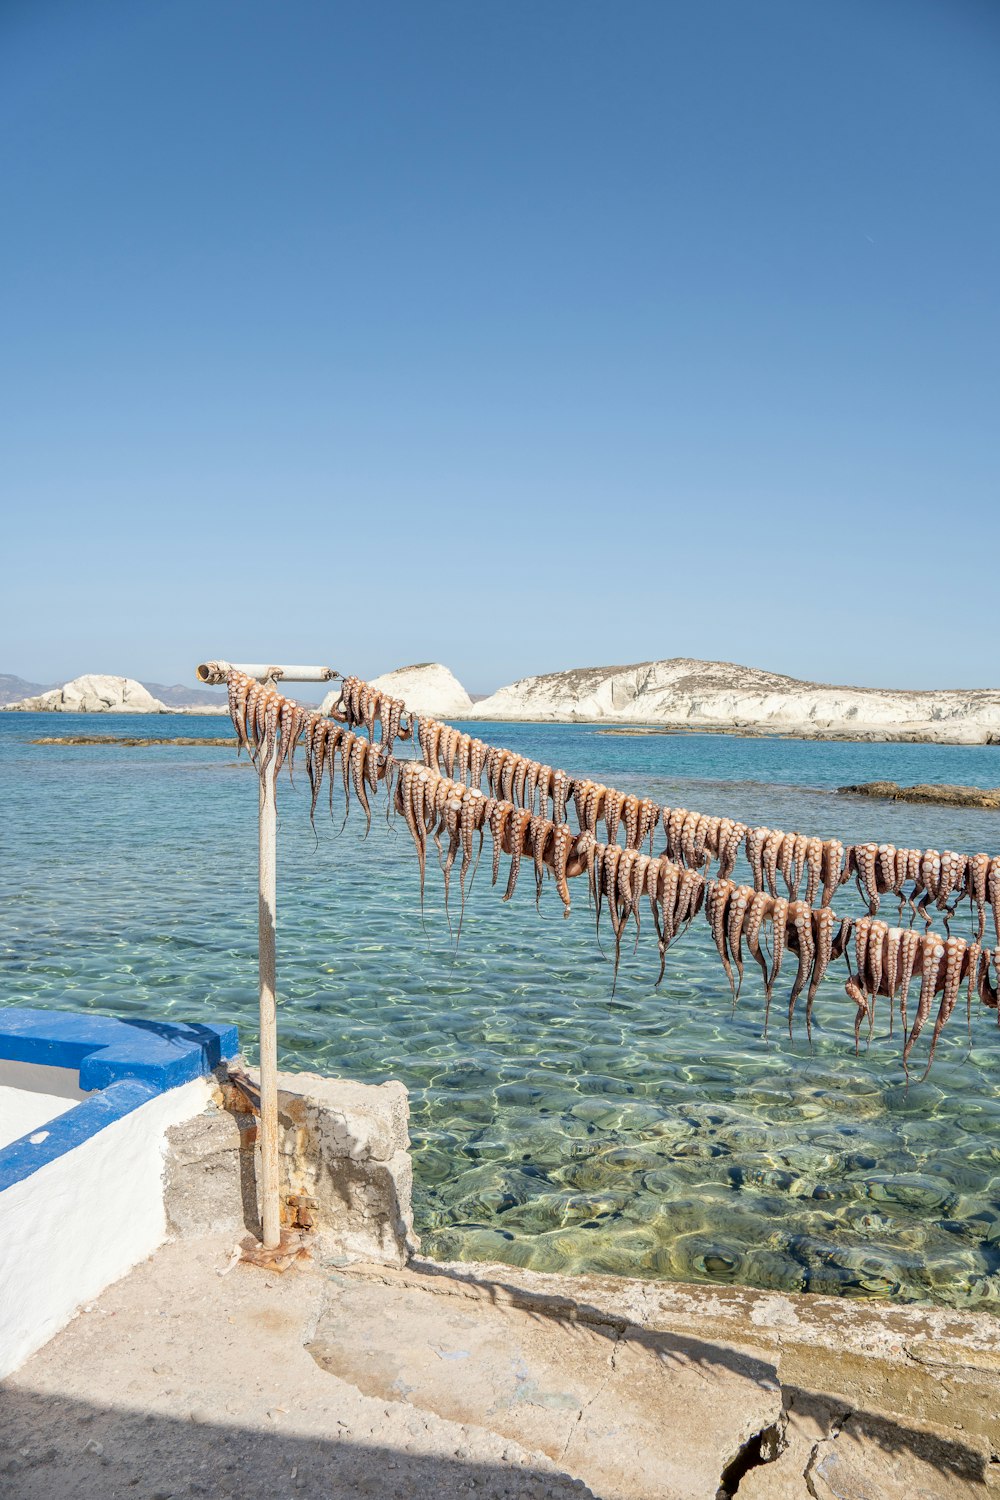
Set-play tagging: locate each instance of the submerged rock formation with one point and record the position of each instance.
(427, 688)
(946, 796)
(686, 694)
(93, 694)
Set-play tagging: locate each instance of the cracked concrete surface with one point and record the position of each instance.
(333, 1381)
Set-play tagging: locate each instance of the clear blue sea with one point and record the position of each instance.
(655, 1134)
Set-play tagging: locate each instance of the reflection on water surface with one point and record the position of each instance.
(654, 1134)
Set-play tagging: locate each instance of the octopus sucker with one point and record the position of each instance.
(253, 695)
(540, 830)
(814, 869)
(315, 764)
(699, 842)
(932, 954)
(755, 855)
(612, 813)
(885, 868)
(689, 830)
(477, 760)
(499, 818)
(649, 816)
(286, 727)
(739, 905)
(667, 884)
(909, 947)
(759, 908)
(730, 848)
(517, 830)
(893, 940)
(630, 818)
(801, 918)
(975, 881)
(769, 858)
(876, 947)
(560, 795)
(834, 873)
(823, 922)
(786, 863)
(464, 747)
(639, 885)
(237, 687)
(581, 790)
(690, 896)
(673, 822)
(510, 765)
(779, 926)
(993, 893)
(956, 952)
(563, 841)
(864, 858)
(358, 753)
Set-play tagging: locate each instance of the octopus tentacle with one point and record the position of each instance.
(801, 916)
(739, 905)
(834, 873)
(717, 897)
(975, 881)
(562, 846)
(932, 952)
(908, 950)
(759, 908)
(518, 828)
(499, 819)
(779, 925)
(755, 855)
(956, 952)
(823, 922)
(769, 858)
(814, 869)
(649, 816)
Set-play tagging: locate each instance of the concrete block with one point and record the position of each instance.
(344, 1158)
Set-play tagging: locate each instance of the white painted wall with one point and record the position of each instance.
(22, 1110)
(82, 1221)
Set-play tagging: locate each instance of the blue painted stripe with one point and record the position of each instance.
(21, 1157)
(128, 1061)
(107, 1049)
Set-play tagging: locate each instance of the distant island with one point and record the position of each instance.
(103, 693)
(676, 694)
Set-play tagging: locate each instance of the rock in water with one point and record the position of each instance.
(93, 694)
(427, 688)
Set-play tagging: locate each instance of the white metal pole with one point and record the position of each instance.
(267, 891)
(270, 1211)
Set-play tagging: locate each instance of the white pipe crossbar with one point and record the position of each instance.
(270, 1204)
(215, 672)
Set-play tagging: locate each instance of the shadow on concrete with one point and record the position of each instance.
(859, 1427)
(54, 1448)
(668, 1347)
(856, 1425)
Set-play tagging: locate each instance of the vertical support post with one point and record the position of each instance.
(267, 899)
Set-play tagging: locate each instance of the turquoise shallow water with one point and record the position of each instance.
(655, 1134)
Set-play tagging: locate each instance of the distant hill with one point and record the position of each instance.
(179, 696)
(14, 688)
(688, 694)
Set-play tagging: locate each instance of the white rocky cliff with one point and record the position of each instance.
(686, 694)
(427, 688)
(93, 694)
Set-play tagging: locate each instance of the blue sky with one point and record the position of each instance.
(518, 336)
